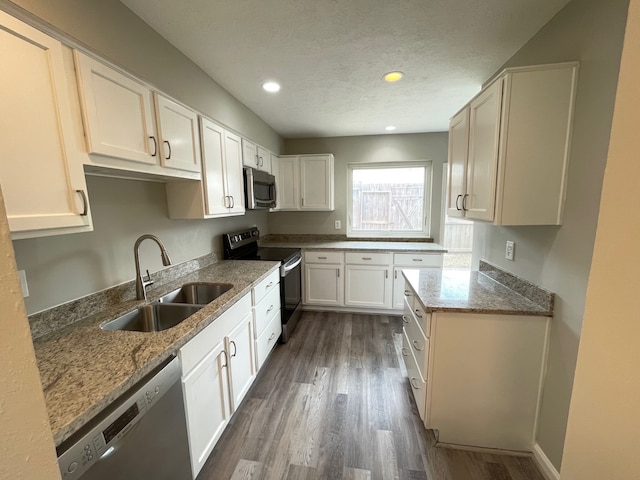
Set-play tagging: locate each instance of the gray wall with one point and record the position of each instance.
(559, 258)
(375, 148)
(66, 267)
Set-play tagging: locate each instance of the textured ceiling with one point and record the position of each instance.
(330, 55)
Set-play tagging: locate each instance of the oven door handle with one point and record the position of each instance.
(290, 266)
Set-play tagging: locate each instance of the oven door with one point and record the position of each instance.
(290, 296)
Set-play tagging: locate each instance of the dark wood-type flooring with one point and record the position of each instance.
(335, 403)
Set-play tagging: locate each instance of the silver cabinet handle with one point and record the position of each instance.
(404, 351)
(395, 274)
(464, 202)
(418, 313)
(271, 337)
(257, 160)
(155, 145)
(415, 385)
(417, 259)
(226, 359)
(269, 285)
(366, 258)
(405, 319)
(85, 203)
(417, 345)
(322, 258)
(338, 272)
(233, 202)
(407, 293)
(458, 202)
(168, 145)
(270, 308)
(386, 274)
(235, 348)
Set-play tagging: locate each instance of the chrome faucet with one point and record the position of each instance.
(142, 282)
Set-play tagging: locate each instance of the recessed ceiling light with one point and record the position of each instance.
(389, 128)
(393, 76)
(271, 87)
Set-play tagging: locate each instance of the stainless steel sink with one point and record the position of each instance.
(196, 293)
(152, 318)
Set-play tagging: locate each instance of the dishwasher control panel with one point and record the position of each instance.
(101, 440)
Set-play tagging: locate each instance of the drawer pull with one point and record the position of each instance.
(404, 351)
(418, 313)
(322, 258)
(269, 285)
(366, 258)
(417, 259)
(407, 293)
(414, 383)
(405, 319)
(271, 337)
(270, 308)
(417, 345)
(395, 274)
(226, 359)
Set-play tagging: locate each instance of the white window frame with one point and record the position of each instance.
(426, 225)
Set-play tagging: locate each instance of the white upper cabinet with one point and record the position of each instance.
(519, 133)
(305, 182)
(178, 136)
(130, 130)
(41, 173)
(221, 192)
(255, 156)
(118, 113)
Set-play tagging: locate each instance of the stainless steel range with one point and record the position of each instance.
(243, 245)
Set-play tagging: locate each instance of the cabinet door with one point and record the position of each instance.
(316, 182)
(264, 159)
(233, 172)
(118, 113)
(398, 288)
(324, 284)
(482, 168)
(241, 360)
(368, 286)
(458, 153)
(179, 142)
(288, 183)
(41, 170)
(217, 201)
(249, 154)
(207, 405)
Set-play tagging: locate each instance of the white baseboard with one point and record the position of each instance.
(544, 464)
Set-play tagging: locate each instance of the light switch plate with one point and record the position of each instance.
(510, 250)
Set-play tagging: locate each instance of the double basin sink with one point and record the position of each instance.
(170, 309)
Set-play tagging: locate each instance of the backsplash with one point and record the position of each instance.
(47, 321)
(536, 294)
(312, 238)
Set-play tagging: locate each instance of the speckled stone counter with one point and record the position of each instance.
(474, 292)
(83, 368)
(362, 246)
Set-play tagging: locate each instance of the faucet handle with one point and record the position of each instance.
(147, 279)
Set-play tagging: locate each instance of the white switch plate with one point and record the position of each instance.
(510, 250)
(23, 283)
(338, 224)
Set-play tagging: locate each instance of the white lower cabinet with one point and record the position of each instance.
(410, 260)
(218, 367)
(267, 339)
(476, 378)
(368, 286)
(324, 284)
(207, 404)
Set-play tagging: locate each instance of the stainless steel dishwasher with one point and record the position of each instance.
(143, 435)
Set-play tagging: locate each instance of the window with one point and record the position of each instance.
(389, 199)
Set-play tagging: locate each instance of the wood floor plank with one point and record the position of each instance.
(334, 403)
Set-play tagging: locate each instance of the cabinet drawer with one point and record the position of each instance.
(423, 318)
(323, 257)
(418, 385)
(265, 310)
(364, 258)
(268, 339)
(195, 349)
(418, 342)
(265, 286)
(418, 260)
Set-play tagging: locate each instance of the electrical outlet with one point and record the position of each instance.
(510, 250)
(338, 224)
(23, 283)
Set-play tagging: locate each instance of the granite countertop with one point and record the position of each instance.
(83, 369)
(363, 246)
(475, 292)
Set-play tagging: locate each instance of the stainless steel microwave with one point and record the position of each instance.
(259, 189)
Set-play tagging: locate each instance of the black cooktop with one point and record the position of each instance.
(276, 253)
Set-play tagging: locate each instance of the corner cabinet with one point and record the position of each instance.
(41, 173)
(131, 128)
(221, 192)
(509, 148)
(305, 182)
